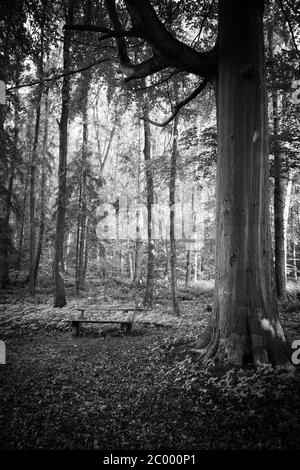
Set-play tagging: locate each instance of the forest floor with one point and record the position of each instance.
(108, 389)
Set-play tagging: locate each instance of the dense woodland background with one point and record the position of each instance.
(81, 131)
(111, 151)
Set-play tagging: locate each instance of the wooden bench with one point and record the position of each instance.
(91, 309)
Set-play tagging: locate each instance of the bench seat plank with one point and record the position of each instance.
(76, 324)
(78, 320)
(100, 309)
(93, 308)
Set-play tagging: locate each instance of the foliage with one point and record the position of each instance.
(108, 390)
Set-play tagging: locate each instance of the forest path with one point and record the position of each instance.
(139, 391)
(110, 390)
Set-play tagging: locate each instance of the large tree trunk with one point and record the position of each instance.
(244, 324)
(58, 266)
(172, 188)
(148, 298)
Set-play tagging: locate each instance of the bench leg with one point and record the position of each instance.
(75, 328)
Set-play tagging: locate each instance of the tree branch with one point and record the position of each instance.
(120, 40)
(144, 19)
(148, 67)
(179, 105)
(100, 29)
(290, 26)
(158, 83)
(168, 51)
(61, 75)
(132, 71)
(197, 37)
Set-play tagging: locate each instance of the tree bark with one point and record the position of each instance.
(279, 189)
(286, 211)
(130, 264)
(137, 262)
(279, 197)
(148, 298)
(86, 252)
(32, 190)
(58, 266)
(172, 189)
(21, 236)
(13, 162)
(189, 250)
(43, 189)
(294, 249)
(6, 227)
(81, 241)
(33, 162)
(245, 324)
(196, 266)
(138, 242)
(188, 268)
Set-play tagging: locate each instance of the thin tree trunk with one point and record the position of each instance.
(33, 162)
(86, 253)
(167, 261)
(295, 269)
(294, 250)
(188, 254)
(7, 232)
(32, 190)
(130, 262)
(138, 262)
(78, 237)
(3, 231)
(279, 191)
(172, 188)
(195, 266)
(102, 254)
(279, 197)
(286, 211)
(58, 266)
(138, 242)
(68, 249)
(148, 298)
(43, 189)
(20, 246)
(7, 228)
(83, 243)
(188, 268)
(83, 206)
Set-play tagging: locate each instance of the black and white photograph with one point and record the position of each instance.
(149, 230)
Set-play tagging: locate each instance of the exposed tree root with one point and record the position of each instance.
(263, 343)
